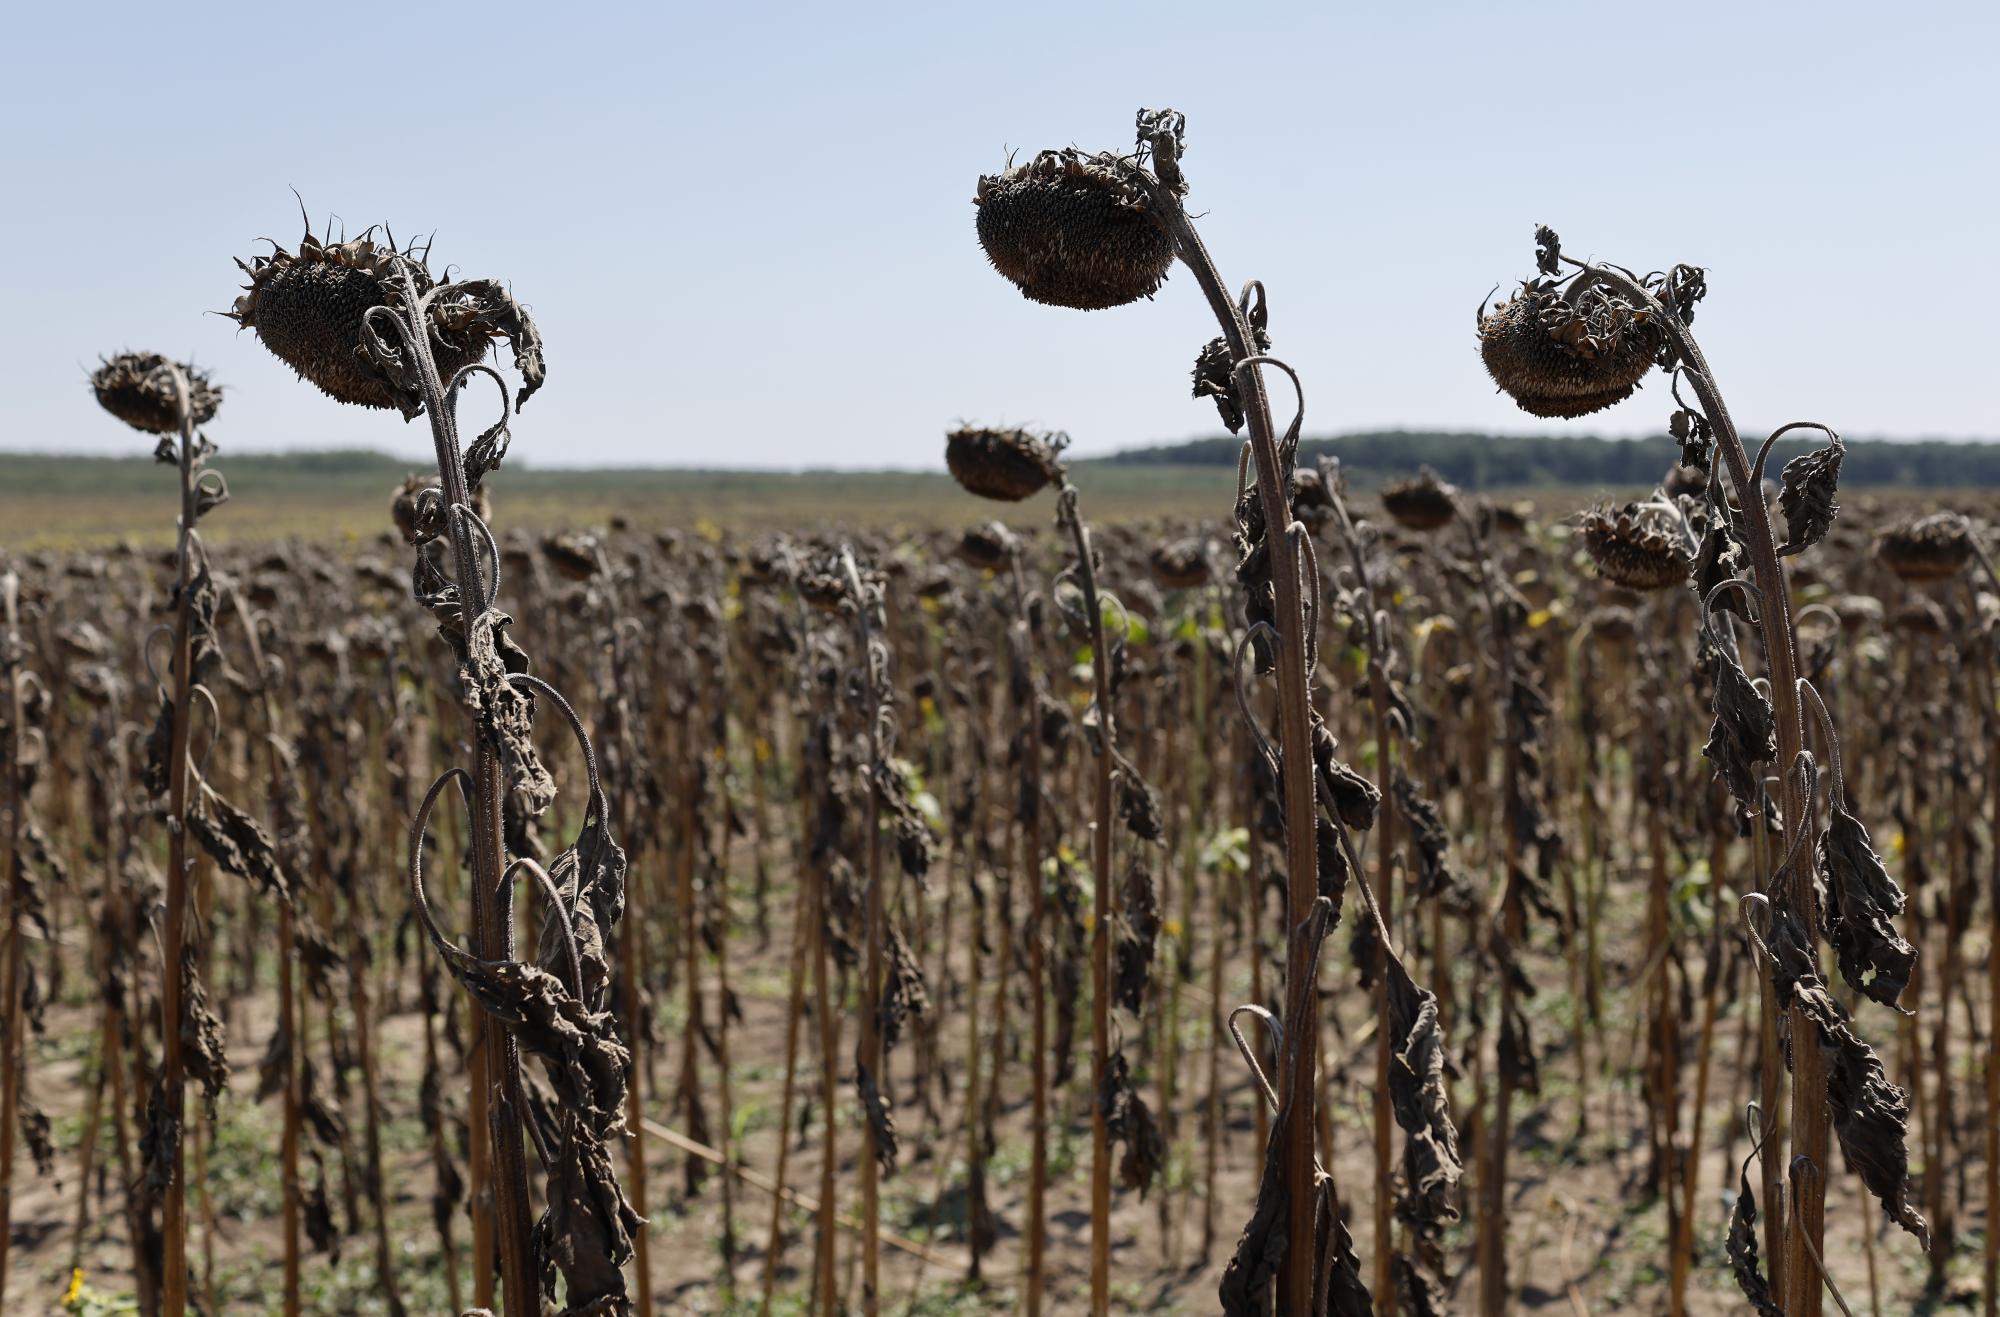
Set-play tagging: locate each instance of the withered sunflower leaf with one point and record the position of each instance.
(505, 714)
(1861, 899)
(1431, 1165)
(586, 1232)
(236, 842)
(1810, 482)
(1744, 1262)
(1745, 732)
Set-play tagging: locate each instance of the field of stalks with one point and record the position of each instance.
(1347, 902)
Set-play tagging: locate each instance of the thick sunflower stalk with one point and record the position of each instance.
(368, 324)
(1572, 343)
(1092, 231)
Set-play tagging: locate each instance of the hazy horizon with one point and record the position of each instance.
(747, 231)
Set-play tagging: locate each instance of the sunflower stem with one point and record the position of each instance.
(1296, 1283)
(1806, 1231)
(491, 936)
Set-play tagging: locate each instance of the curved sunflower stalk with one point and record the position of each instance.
(1091, 231)
(557, 1006)
(368, 324)
(1579, 337)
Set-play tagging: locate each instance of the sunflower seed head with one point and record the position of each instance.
(1424, 502)
(1558, 357)
(1004, 465)
(1070, 229)
(989, 547)
(1931, 548)
(310, 309)
(1633, 547)
(138, 388)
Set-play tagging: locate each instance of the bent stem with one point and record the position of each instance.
(1294, 715)
(1809, 1122)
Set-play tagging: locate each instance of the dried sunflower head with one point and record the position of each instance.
(1931, 548)
(1004, 465)
(1422, 503)
(573, 556)
(138, 388)
(1635, 546)
(309, 309)
(989, 547)
(1312, 503)
(1070, 229)
(1181, 565)
(1559, 356)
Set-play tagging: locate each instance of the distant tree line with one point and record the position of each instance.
(1480, 461)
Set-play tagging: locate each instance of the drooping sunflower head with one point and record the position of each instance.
(1567, 350)
(1635, 546)
(1181, 564)
(1612, 624)
(1932, 548)
(989, 547)
(1423, 502)
(1073, 229)
(311, 309)
(1004, 465)
(138, 388)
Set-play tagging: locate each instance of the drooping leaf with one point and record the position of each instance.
(1138, 931)
(1741, 1246)
(1861, 898)
(1744, 734)
(586, 1232)
(881, 1121)
(1431, 1165)
(903, 991)
(236, 842)
(504, 713)
(1810, 482)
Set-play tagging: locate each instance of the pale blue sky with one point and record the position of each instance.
(747, 232)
